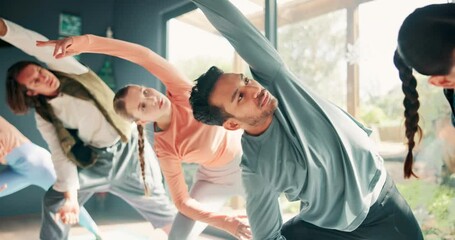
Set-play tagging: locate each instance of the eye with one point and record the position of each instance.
(142, 107)
(240, 97)
(246, 81)
(146, 91)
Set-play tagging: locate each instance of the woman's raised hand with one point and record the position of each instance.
(61, 47)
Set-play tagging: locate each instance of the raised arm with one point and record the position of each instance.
(173, 173)
(262, 207)
(142, 56)
(25, 40)
(252, 46)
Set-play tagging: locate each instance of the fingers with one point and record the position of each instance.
(57, 217)
(65, 54)
(244, 232)
(67, 217)
(70, 218)
(56, 43)
(45, 43)
(56, 49)
(60, 47)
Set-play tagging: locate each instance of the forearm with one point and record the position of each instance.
(132, 52)
(194, 210)
(262, 206)
(70, 195)
(25, 40)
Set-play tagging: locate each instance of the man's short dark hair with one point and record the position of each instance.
(199, 99)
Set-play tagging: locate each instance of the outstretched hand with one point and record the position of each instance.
(61, 47)
(243, 230)
(69, 212)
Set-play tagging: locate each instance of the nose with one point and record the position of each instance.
(153, 100)
(253, 91)
(42, 78)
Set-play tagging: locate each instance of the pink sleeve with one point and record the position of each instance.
(171, 77)
(173, 173)
(10, 138)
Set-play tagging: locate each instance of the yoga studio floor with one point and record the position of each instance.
(27, 227)
(116, 221)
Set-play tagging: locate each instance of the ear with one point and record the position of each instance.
(440, 81)
(231, 124)
(31, 93)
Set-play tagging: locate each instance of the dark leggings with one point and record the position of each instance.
(389, 218)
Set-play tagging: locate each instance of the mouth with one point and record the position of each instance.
(264, 98)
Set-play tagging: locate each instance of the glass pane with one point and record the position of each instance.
(194, 45)
(314, 49)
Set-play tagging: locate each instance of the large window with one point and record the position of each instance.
(314, 49)
(194, 45)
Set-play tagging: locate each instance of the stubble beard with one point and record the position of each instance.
(257, 121)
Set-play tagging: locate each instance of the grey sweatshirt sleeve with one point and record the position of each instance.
(262, 206)
(252, 46)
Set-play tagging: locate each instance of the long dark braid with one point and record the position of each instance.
(411, 106)
(140, 147)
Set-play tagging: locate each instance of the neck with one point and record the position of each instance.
(52, 95)
(260, 129)
(164, 121)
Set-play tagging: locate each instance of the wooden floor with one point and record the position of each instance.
(27, 227)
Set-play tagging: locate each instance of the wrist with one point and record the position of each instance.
(70, 195)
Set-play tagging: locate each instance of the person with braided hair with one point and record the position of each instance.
(297, 143)
(93, 149)
(426, 43)
(178, 138)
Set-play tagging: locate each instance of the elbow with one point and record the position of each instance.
(184, 206)
(180, 205)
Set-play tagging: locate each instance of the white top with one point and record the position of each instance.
(73, 112)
